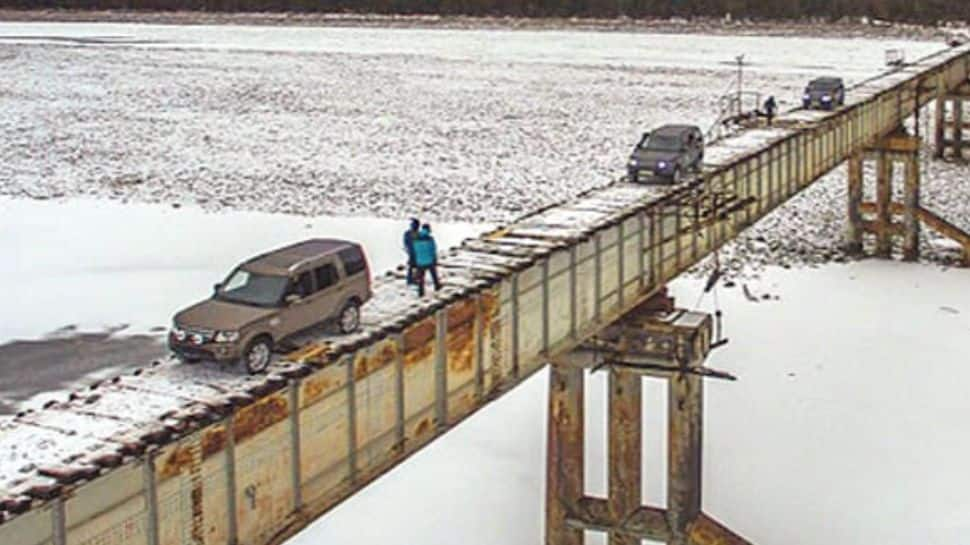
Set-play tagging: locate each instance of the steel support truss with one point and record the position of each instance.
(655, 340)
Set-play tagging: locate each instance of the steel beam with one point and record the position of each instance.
(685, 400)
(853, 237)
(884, 193)
(911, 204)
(625, 459)
(564, 454)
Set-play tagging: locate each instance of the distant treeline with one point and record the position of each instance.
(927, 11)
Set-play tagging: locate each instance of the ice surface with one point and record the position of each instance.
(97, 264)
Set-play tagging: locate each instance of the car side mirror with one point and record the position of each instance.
(216, 288)
(292, 299)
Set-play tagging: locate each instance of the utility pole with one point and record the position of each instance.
(740, 60)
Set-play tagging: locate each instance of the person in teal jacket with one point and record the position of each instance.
(426, 258)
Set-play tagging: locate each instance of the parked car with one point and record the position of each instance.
(824, 94)
(272, 296)
(665, 154)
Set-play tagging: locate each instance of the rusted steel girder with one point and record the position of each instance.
(898, 147)
(685, 428)
(625, 464)
(854, 233)
(651, 340)
(564, 453)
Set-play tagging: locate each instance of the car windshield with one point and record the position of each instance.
(822, 87)
(662, 142)
(251, 288)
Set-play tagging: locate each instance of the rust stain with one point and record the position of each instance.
(461, 347)
(321, 384)
(489, 301)
(186, 458)
(213, 440)
(419, 334)
(707, 531)
(175, 463)
(461, 312)
(419, 342)
(313, 352)
(259, 416)
(423, 427)
(382, 357)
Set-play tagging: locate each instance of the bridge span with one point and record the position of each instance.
(188, 455)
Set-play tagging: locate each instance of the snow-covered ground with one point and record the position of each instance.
(474, 125)
(95, 265)
(847, 425)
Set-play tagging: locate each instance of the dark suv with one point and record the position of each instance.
(271, 297)
(824, 94)
(666, 154)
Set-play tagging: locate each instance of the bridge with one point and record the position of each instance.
(189, 455)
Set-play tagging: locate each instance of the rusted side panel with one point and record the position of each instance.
(30, 528)
(264, 495)
(375, 397)
(192, 491)
(462, 351)
(419, 385)
(180, 492)
(215, 493)
(585, 284)
(631, 261)
(109, 510)
(609, 263)
(113, 488)
(374, 358)
(322, 384)
(559, 303)
(324, 437)
(496, 363)
(259, 416)
(530, 319)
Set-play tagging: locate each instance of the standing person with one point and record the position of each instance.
(409, 236)
(426, 258)
(770, 107)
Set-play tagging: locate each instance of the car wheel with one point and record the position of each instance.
(258, 354)
(349, 319)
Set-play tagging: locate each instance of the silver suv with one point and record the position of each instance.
(272, 296)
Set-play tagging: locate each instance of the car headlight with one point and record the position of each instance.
(661, 165)
(227, 336)
(807, 97)
(826, 98)
(633, 162)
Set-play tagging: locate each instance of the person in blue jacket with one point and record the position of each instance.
(426, 258)
(409, 236)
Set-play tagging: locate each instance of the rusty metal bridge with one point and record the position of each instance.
(187, 455)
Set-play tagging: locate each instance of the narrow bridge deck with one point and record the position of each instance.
(180, 454)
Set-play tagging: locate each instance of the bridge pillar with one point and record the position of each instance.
(652, 341)
(876, 218)
(950, 123)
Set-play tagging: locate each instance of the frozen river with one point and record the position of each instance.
(847, 423)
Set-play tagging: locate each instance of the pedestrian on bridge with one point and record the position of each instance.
(426, 258)
(770, 108)
(409, 236)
